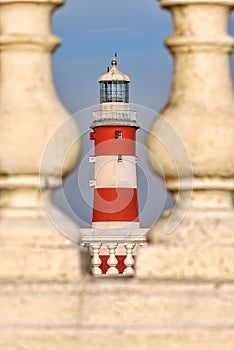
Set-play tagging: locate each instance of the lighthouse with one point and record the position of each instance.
(115, 204)
(114, 128)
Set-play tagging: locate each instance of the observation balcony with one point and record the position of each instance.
(114, 118)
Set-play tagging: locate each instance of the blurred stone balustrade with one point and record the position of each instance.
(195, 239)
(182, 294)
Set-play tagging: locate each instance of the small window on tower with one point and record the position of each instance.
(92, 136)
(118, 134)
(120, 158)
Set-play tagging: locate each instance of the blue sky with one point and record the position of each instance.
(91, 31)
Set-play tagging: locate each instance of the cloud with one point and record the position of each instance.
(108, 30)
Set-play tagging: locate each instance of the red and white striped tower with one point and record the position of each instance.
(114, 133)
(114, 127)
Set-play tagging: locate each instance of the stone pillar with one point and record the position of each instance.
(34, 253)
(193, 140)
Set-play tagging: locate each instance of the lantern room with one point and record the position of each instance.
(114, 85)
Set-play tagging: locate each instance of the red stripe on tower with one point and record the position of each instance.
(111, 140)
(115, 204)
(114, 134)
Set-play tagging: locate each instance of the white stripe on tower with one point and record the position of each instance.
(115, 224)
(115, 171)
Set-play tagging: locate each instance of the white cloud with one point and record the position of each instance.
(108, 30)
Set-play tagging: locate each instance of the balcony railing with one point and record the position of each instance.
(115, 115)
(112, 244)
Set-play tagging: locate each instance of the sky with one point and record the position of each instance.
(91, 31)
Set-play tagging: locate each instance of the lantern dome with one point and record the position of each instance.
(114, 74)
(114, 85)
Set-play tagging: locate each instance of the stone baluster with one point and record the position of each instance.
(129, 260)
(193, 140)
(35, 155)
(112, 261)
(96, 261)
(30, 115)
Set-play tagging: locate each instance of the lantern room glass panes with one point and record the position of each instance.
(114, 91)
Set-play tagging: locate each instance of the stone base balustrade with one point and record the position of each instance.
(113, 243)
